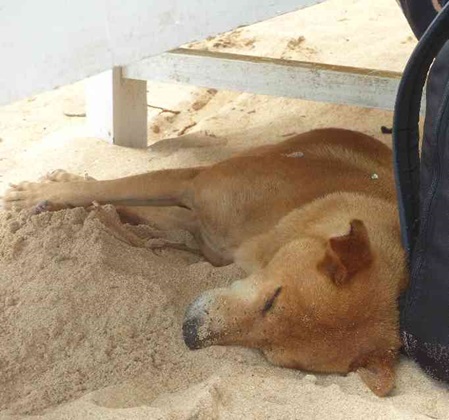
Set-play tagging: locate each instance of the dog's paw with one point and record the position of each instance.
(42, 207)
(29, 195)
(55, 191)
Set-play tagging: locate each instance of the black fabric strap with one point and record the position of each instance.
(419, 13)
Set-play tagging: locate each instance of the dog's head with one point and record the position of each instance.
(323, 304)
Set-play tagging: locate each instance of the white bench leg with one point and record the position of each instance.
(117, 109)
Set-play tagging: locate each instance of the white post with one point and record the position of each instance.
(116, 108)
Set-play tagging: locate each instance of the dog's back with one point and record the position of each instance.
(250, 193)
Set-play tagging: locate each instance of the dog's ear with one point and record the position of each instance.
(347, 254)
(378, 373)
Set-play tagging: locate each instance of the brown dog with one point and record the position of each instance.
(313, 220)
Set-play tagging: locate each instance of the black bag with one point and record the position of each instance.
(423, 194)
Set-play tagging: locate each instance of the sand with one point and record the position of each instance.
(91, 310)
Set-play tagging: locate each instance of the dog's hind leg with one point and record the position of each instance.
(163, 218)
(159, 188)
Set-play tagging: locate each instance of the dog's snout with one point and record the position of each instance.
(194, 329)
(219, 317)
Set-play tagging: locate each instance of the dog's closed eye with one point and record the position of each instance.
(270, 302)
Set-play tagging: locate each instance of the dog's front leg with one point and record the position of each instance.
(159, 188)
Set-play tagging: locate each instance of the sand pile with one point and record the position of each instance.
(83, 307)
(90, 315)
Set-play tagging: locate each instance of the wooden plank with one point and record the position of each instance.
(295, 79)
(117, 109)
(49, 43)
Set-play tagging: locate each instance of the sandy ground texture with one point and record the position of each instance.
(90, 309)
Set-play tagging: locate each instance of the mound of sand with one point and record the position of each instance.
(87, 302)
(90, 316)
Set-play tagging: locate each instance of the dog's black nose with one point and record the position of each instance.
(196, 328)
(190, 329)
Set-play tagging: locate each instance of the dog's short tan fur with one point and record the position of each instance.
(313, 221)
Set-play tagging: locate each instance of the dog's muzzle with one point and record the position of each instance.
(196, 326)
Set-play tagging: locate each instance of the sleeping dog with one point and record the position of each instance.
(312, 220)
